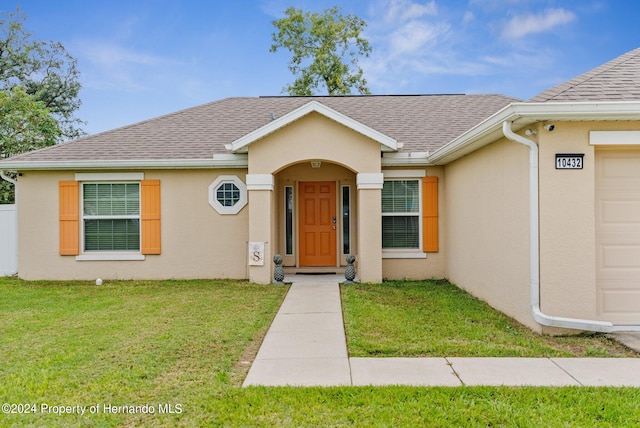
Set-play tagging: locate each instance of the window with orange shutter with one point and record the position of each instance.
(108, 217)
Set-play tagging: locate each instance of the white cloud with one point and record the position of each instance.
(404, 26)
(111, 55)
(415, 35)
(109, 65)
(406, 34)
(406, 10)
(273, 8)
(539, 58)
(468, 17)
(520, 26)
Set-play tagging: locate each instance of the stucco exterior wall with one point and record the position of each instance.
(567, 221)
(487, 227)
(567, 224)
(197, 242)
(488, 220)
(261, 209)
(310, 138)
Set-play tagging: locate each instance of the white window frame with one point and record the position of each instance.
(407, 253)
(213, 190)
(102, 178)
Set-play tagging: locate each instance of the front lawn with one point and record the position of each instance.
(437, 319)
(175, 344)
(174, 353)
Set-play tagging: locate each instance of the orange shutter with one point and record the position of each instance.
(150, 216)
(430, 214)
(69, 218)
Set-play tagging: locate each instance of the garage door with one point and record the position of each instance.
(618, 235)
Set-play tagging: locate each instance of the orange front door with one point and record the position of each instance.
(317, 223)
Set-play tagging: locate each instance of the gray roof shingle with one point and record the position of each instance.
(421, 122)
(617, 80)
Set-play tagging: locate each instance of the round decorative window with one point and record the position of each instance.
(228, 194)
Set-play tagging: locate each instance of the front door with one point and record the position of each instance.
(317, 223)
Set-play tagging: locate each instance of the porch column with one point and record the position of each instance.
(370, 226)
(260, 192)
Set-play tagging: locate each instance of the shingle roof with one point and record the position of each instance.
(617, 80)
(421, 122)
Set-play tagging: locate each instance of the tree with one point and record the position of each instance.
(25, 125)
(45, 70)
(325, 48)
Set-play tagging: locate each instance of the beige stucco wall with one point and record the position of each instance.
(487, 227)
(369, 262)
(567, 224)
(488, 220)
(567, 220)
(261, 229)
(314, 137)
(197, 242)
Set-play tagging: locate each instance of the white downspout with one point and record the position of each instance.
(12, 181)
(534, 234)
(9, 179)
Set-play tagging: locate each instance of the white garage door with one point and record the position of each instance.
(618, 235)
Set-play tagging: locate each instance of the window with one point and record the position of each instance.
(228, 194)
(401, 214)
(288, 220)
(111, 216)
(346, 220)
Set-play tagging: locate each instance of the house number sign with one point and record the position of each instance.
(256, 253)
(569, 160)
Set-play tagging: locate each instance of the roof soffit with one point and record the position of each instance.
(387, 144)
(525, 114)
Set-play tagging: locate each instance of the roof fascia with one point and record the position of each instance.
(405, 159)
(241, 144)
(525, 114)
(237, 161)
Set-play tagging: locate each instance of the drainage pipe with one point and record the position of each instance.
(12, 181)
(6, 178)
(534, 235)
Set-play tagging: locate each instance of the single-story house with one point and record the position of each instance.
(531, 206)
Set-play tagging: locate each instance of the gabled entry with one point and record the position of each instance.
(317, 223)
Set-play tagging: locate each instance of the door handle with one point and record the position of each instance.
(333, 227)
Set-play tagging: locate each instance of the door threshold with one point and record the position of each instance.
(309, 270)
(317, 273)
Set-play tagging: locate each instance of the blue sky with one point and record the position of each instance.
(143, 58)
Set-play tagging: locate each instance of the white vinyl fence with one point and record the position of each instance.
(8, 240)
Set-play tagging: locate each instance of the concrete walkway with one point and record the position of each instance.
(306, 346)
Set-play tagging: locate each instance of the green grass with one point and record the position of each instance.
(187, 343)
(435, 318)
(432, 407)
(128, 343)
